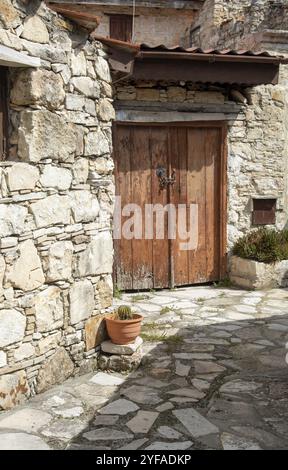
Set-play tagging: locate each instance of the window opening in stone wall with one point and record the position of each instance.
(264, 211)
(121, 27)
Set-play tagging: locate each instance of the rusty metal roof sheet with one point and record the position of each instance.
(198, 50)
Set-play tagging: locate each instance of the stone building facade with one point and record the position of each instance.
(155, 22)
(56, 198)
(257, 138)
(257, 147)
(57, 187)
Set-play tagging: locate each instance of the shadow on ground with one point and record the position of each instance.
(214, 376)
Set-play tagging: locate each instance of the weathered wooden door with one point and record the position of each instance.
(158, 166)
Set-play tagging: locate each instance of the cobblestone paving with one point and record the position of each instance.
(214, 376)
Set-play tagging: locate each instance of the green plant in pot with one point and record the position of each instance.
(124, 326)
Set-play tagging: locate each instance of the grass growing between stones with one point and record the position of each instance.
(117, 293)
(166, 310)
(139, 298)
(225, 283)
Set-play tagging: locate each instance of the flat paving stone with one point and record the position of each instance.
(142, 421)
(195, 423)
(134, 445)
(29, 420)
(143, 395)
(21, 441)
(187, 392)
(182, 369)
(207, 367)
(106, 434)
(159, 445)
(107, 379)
(168, 432)
(64, 429)
(165, 407)
(239, 386)
(233, 442)
(119, 407)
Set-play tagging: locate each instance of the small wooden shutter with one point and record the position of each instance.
(121, 27)
(264, 211)
(3, 113)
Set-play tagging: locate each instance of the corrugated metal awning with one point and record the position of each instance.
(229, 66)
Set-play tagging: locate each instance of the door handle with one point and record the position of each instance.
(164, 180)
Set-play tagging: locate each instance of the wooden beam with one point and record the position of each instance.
(165, 116)
(11, 58)
(86, 20)
(168, 4)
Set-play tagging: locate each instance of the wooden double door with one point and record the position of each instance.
(178, 165)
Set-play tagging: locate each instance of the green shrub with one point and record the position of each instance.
(264, 245)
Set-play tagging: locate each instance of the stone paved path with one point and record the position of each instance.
(214, 376)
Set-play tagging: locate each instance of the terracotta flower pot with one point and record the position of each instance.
(124, 331)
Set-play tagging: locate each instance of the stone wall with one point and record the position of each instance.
(257, 141)
(223, 24)
(56, 198)
(152, 26)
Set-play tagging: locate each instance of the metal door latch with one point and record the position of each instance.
(165, 180)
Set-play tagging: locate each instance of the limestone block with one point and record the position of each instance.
(103, 165)
(3, 359)
(48, 343)
(10, 40)
(43, 134)
(78, 64)
(118, 363)
(121, 349)
(82, 301)
(102, 69)
(80, 170)
(41, 87)
(105, 291)
(252, 274)
(8, 14)
(52, 210)
(22, 176)
(74, 102)
(24, 351)
(14, 390)
(147, 94)
(45, 52)
(2, 272)
(212, 97)
(96, 143)
(86, 86)
(34, 29)
(95, 331)
(26, 272)
(106, 110)
(175, 93)
(48, 306)
(54, 177)
(12, 219)
(59, 263)
(13, 325)
(98, 256)
(127, 94)
(55, 371)
(84, 205)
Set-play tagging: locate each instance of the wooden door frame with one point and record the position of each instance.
(222, 125)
